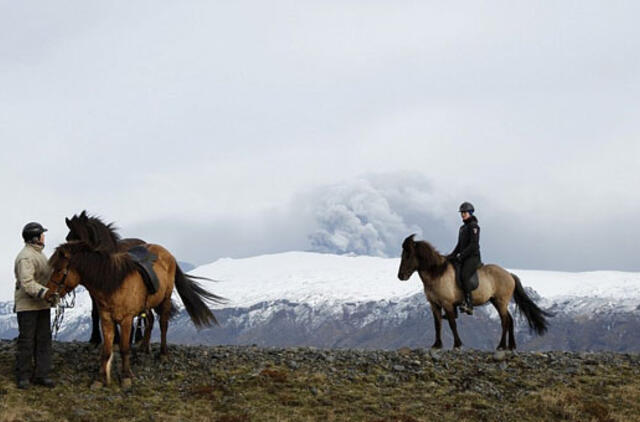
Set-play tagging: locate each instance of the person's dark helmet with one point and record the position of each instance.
(466, 207)
(32, 231)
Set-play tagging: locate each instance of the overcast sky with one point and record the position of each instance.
(240, 128)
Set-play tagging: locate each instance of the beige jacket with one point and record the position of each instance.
(32, 274)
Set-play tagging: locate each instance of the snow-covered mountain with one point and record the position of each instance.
(303, 298)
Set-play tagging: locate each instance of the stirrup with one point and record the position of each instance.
(466, 308)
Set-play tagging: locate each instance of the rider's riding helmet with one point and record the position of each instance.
(466, 207)
(32, 231)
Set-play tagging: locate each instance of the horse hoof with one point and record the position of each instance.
(435, 354)
(97, 385)
(126, 383)
(499, 356)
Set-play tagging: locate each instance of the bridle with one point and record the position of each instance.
(61, 289)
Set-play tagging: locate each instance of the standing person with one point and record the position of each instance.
(34, 314)
(466, 255)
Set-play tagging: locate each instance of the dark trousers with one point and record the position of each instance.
(465, 270)
(34, 343)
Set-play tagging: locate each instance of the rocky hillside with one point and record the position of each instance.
(248, 383)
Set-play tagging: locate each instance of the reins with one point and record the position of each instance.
(65, 303)
(60, 307)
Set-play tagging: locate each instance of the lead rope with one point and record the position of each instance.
(65, 303)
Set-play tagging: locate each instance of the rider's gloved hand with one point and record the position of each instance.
(52, 297)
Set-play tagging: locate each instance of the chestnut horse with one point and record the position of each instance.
(120, 292)
(496, 285)
(102, 237)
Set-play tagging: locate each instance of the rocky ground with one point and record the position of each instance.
(244, 383)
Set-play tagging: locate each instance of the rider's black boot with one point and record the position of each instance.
(469, 303)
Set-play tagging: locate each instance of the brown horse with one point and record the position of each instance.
(102, 237)
(121, 294)
(496, 285)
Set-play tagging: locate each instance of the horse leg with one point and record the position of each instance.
(107, 352)
(137, 337)
(504, 321)
(148, 327)
(125, 346)
(512, 338)
(164, 325)
(451, 317)
(116, 336)
(437, 320)
(95, 323)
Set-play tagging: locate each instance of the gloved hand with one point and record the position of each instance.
(52, 298)
(452, 258)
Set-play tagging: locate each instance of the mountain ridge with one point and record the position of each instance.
(324, 300)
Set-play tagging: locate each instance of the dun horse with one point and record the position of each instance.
(496, 285)
(121, 294)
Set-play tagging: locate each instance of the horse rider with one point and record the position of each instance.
(34, 314)
(466, 255)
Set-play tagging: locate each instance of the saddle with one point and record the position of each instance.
(144, 262)
(471, 283)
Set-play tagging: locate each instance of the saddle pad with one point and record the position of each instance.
(144, 262)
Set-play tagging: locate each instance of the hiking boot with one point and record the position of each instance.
(45, 382)
(23, 384)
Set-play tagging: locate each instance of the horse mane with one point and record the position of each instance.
(429, 259)
(98, 270)
(91, 230)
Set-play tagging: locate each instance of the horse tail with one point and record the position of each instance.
(536, 317)
(195, 297)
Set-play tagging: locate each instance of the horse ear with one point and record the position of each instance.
(409, 242)
(67, 222)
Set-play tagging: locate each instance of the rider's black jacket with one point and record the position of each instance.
(468, 240)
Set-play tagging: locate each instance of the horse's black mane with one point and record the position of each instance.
(429, 259)
(98, 270)
(91, 230)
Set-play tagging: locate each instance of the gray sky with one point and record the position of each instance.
(238, 128)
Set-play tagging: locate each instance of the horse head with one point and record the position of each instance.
(409, 261)
(93, 231)
(64, 277)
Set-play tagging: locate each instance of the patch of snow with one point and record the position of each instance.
(332, 280)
